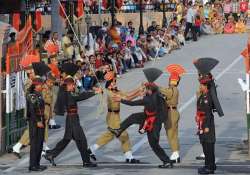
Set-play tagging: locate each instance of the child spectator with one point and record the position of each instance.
(197, 25)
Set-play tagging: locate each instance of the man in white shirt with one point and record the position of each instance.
(190, 19)
(67, 45)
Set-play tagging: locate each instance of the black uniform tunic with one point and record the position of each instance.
(73, 129)
(35, 114)
(205, 104)
(154, 104)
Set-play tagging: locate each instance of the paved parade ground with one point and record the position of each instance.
(231, 153)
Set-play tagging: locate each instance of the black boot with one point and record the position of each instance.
(37, 169)
(18, 155)
(42, 167)
(50, 158)
(89, 164)
(54, 126)
(166, 165)
(116, 132)
(91, 155)
(205, 170)
(132, 161)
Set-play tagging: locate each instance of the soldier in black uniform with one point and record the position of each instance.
(206, 129)
(35, 116)
(73, 129)
(207, 103)
(151, 119)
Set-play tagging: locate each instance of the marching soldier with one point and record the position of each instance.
(113, 119)
(151, 119)
(67, 100)
(207, 103)
(48, 100)
(172, 97)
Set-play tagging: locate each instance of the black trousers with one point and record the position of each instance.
(208, 149)
(81, 144)
(36, 144)
(153, 136)
(187, 29)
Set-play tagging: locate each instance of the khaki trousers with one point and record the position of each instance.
(171, 127)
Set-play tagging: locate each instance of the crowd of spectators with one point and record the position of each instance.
(121, 48)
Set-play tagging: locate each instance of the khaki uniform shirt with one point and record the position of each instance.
(48, 100)
(113, 118)
(171, 95)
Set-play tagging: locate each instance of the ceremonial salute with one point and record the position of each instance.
(67, 100)
(35, 116)
(171, 94)
(207, 103)
(113, 118)
(151, 119)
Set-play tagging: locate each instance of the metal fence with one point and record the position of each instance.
(126, 8)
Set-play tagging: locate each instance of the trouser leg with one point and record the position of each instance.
(171, 127)
(39, 145)
(46, 132)
(25, 139)
(205, 151)
(187, 28)
(194, 34)
(153, 139)
(33, 148)
(82, 146)
(211, 156)
(136, 118)
(105, 138)
(125, 142)
(60, 146)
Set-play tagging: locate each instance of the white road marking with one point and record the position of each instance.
(144, 139)
(189, 102)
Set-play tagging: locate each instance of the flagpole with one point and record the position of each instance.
(248, 94)
(100, 12)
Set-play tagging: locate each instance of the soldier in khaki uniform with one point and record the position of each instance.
(171, 94)
(48, 99)
(113, 120)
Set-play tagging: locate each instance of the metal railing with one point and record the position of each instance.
(135, 8)
(127, 8)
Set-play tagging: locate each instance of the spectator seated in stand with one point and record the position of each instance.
(87, 80)
(206, 28)
(217, 25)
(240, 26)
(229, 26)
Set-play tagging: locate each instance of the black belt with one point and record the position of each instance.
(72, 113)
(115, 111)
(47, 104)
(172, 107)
